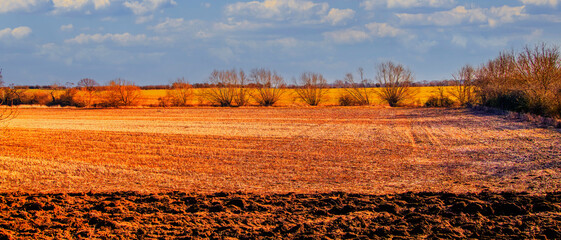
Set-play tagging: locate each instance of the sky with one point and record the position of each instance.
(152, 42)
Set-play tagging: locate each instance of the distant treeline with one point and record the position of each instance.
(335, 84)
(527, 81)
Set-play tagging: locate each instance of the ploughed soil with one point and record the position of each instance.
(133, 215)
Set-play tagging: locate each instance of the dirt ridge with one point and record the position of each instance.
(335, 215)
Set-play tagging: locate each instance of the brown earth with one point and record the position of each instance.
(276, 150)
(155, 173)
(128, 215)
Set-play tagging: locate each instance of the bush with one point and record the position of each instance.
(269, 86)
(12, 96)
(347, 100)
(67, 98)
(37, 98)
(356, 93)
(512, 101)
(121, 93)
(312, 89)
(225, 88)
(179, 95)
(436, 101)
(396, 81)
(529, 81)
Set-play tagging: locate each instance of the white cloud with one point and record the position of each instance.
(336, 16)
(125, 39)
(278, 9)
(371, 4)
(69, 4)
(552, 3)
(68, 27)
(19, 5)
(383, 30)
(241, 25)
(146, 6)
(370, 31)
(196, 28)
(58, 5)
(17, 33)
(75, 5)
(347, 36)
(491, 16)
(144, 19)
(170, 25)
(99, 4)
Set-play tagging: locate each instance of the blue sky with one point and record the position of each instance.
(156, 41)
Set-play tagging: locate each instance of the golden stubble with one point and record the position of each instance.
(276, 150)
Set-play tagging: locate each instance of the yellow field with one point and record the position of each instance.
(151, 97)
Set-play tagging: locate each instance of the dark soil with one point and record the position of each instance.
(126, 215)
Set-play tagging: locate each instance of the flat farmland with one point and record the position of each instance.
(276, 150)
(272, 173)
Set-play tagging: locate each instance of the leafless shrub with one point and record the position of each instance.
(396, 81)
(180, 93)
(539, 71)
(65, 96)
(90, 86)
(6, 112)
(226, 89)
(356, 93)
(120, 92)
(269, 86)
(464, 89)
(12, 95)
(312, 88)
(242, 93)
(529, 81)
(439, 98)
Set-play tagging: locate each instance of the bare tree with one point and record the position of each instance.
(242, 93)
(120, 92)
(66, 96)
(463, 89)
(225, 88)
(180, 93)
(269, 86)
(359, 92)
(497, 77)
(539, 71)
(396, 81)
(6, 112)
(312, 88)
(90, 86)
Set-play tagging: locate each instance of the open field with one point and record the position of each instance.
(276, 150)
(79, 173)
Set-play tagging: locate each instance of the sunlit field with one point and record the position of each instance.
(274, 150)
(281, 172)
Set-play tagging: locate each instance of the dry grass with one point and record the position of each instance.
(276, 150)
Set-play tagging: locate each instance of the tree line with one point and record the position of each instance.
(524, 81)
(226, 88)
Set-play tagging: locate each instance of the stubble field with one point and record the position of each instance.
(265, 153)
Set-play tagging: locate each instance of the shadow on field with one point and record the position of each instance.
(248, 216)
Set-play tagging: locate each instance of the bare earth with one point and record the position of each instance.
(276, 150)
(303, 173)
